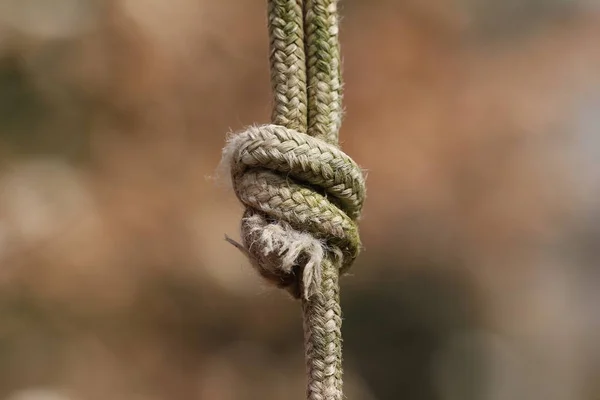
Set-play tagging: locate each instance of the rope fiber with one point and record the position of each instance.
(303, 195)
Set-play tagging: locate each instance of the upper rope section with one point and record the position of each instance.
(302, 194)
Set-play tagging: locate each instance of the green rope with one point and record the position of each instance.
(302, 194)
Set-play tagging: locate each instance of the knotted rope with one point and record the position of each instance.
(302, 194)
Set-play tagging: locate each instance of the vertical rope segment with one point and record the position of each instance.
(303, 195)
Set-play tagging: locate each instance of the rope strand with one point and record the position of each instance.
(322, 313)
(323, 69)
(303, 195)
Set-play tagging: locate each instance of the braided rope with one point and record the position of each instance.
(302, 194)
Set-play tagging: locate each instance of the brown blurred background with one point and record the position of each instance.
(477, 121)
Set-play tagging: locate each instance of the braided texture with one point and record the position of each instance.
(323, 63)
(303, 195)
(288, 67)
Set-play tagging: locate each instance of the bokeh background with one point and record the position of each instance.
(477, 121)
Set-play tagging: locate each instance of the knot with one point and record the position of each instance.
(303, 197)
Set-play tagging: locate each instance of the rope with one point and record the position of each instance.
(302, 194)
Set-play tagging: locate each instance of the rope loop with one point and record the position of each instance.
(303, 197)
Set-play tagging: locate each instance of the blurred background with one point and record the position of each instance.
(477, 121)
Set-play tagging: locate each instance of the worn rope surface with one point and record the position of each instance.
(302, 194)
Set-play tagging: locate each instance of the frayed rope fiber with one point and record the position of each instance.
(303, 195)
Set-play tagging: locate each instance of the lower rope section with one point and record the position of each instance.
(322, 316)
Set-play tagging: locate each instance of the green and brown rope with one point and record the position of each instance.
(302, 194)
